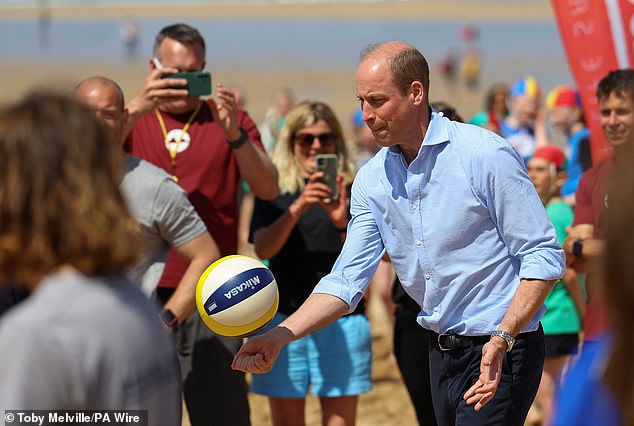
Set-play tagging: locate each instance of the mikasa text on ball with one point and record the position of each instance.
(236, 296)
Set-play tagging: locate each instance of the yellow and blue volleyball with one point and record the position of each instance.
(237, 296)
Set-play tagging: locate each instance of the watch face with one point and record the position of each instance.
(510, 340)
(168, 317)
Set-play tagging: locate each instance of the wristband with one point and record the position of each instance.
(168, 318)
(577, 247)
(244, 137)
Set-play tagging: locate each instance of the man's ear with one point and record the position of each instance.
(417, 92)
(561, 178)
(125, 116)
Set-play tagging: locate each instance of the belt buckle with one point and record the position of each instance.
(442, 348)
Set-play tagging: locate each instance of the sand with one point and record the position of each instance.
(334, 85)
(420, 10)
(388, 403)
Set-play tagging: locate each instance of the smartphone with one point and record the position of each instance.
(327, 163)
(198, 82)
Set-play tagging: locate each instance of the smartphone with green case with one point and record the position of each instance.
(198, 82)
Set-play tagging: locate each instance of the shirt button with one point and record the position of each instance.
(419, 242)
(427, 276)
(414, 206)
(436, 309)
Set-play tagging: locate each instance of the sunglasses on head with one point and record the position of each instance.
(325, 139)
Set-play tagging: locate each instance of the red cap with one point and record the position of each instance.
(562, 96)
(552, 154)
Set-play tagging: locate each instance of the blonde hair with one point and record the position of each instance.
(59, 192)
(303, 115)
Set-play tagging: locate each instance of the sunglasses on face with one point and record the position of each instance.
(305, 140)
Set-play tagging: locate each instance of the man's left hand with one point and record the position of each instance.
(490, 372)
(226, 112)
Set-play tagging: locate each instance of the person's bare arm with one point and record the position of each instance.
(269, 240)
(571, 281)
(255, 166)
(592, 247)
(541, 129)
(201, 252)
(527, 301)
(155, 90)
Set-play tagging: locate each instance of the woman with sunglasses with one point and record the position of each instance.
(302, 233)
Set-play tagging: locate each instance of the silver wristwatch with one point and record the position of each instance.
(510, 340)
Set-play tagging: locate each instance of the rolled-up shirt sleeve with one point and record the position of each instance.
(361, 251)
(518, 212)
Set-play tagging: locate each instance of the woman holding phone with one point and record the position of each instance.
(302, 233)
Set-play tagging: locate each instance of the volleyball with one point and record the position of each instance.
(237, 296)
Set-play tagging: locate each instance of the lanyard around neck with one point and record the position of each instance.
(174, 151)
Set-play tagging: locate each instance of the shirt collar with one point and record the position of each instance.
(436, 130)
(436, 133)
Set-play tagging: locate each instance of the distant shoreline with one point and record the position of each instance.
(468, 10)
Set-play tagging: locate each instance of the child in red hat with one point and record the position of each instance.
(565, 302)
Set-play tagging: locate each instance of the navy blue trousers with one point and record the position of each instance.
(452, 373)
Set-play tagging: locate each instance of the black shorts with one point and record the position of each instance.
(561, 344)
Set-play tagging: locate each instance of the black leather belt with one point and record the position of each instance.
(450, 342)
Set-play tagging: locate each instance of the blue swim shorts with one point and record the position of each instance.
(334, 361)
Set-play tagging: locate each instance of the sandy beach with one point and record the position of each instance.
(388, 403)
(420, 10)
(334, 85)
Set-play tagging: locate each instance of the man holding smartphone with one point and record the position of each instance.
(207, 147)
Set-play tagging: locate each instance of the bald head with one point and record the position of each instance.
(405, 62)
(385, 50)
(97, 83)
(105, 97)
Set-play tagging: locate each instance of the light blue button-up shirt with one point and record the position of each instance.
(462, 225)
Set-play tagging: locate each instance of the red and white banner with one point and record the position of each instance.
(598, 36)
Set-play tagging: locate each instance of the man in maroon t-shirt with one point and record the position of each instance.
(207, 147)
(585, 244)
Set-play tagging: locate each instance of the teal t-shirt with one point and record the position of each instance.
(561, 316)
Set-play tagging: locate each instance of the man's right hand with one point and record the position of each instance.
(258, 354)
(157, 90)
(314, 193)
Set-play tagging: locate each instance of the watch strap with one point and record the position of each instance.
(510, 340)
(577, 247)
(244, 137)
(168, 318)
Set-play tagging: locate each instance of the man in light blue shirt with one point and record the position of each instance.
(468, 237)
